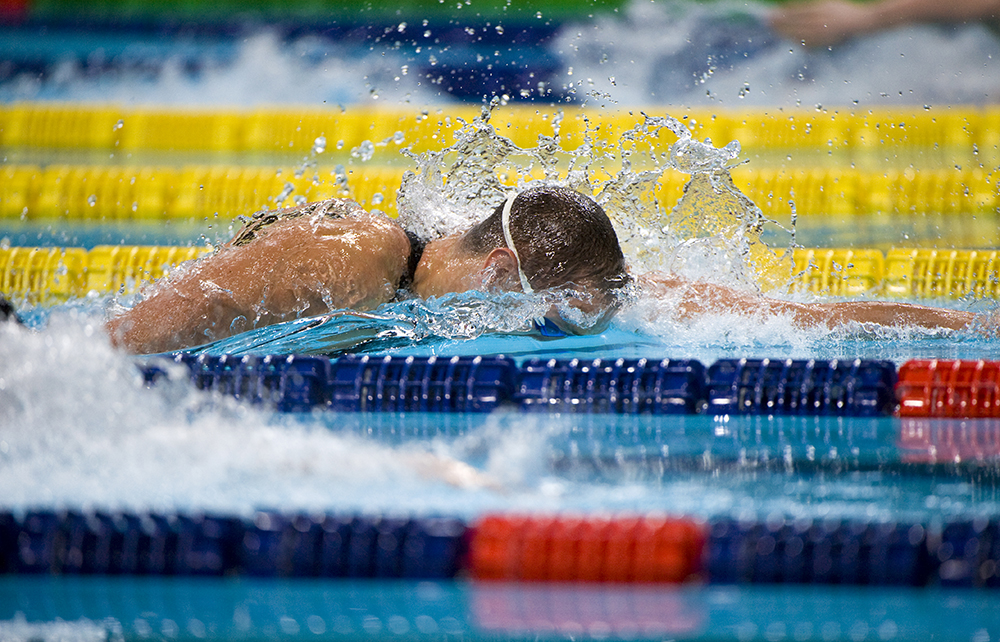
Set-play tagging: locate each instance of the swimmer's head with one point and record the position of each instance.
(542, 239)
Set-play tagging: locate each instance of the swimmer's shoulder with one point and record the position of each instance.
(328, 209)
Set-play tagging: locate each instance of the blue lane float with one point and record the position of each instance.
(955, 553)
(623, 386)
(854, 388)
(483, 384)
(825, 553)
(269, 544)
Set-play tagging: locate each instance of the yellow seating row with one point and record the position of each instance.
(41, 275)
(196, 192)
(118, 129)
(51, 275)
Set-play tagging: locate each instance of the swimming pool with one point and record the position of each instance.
(804, 525)
(89, 445)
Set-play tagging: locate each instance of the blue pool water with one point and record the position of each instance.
(144, 608)
(79, 429)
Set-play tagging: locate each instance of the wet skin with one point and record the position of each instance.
(297, 268)
(311, 265)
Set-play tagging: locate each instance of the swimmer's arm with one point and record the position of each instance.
(695, 298)
(827, 22)
(295, 268)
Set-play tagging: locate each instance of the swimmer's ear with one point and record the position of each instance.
(500, 270)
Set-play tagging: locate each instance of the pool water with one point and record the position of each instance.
(81, 431)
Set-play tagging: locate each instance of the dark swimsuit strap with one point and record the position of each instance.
(417, 246)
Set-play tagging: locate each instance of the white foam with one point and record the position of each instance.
(644, 57)
(263, 71)
(80, 429)
(651, 53)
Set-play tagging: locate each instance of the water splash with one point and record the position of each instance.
(261, 69)
(713, 230)
(409, 324)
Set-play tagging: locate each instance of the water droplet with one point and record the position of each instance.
(399, 138)
(499, 29)
(92, 200)
(377, 199)
(118, 125)
(286, 191)
(364, 151)
(319, 145)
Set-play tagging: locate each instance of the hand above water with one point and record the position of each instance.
(822, 23)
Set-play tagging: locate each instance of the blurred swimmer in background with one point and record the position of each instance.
(822, 23)
(331, 255)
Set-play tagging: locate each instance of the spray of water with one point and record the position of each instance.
(724, 53)
(259, 70)
(714, 231)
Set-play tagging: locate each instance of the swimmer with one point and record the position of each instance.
(331, 255)
(822, 23)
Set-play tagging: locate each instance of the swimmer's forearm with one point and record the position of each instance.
(827, 22)
(888, 313)
(698, 298)
(890, 13)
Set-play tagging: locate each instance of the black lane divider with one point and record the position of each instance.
(482, 384)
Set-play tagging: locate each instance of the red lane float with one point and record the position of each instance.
(566, 549)
(949, 388)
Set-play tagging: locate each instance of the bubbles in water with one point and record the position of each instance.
(319, 145)
(92, 200)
